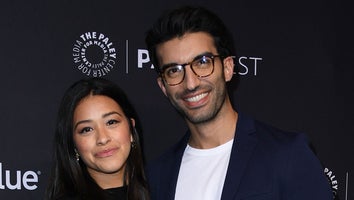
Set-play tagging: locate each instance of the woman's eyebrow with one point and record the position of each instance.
(111, 113)
(82, 122)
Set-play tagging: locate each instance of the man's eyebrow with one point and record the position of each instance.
(206, 53)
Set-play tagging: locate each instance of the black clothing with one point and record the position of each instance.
(118, 193)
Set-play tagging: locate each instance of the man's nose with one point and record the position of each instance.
(191, 80)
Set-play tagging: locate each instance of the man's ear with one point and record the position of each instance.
(228, 68)
(161, 85)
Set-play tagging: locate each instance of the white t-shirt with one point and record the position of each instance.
(202, 173)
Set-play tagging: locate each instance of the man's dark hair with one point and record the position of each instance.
(187, 19)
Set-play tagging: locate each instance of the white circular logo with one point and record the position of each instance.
(94, 54)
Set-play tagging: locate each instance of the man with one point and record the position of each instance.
(224, 154)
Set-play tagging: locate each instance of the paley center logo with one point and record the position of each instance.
(94, 54)
(333, 181)
(16, 180)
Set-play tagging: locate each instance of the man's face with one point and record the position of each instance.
(198, 99)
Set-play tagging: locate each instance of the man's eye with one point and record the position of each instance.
(203, 61)
(174, 70)
(85, 130)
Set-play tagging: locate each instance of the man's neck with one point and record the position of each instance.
(216, 132)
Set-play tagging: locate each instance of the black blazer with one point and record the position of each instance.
(265, 164)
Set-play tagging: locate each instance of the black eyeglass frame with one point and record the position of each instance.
(208, 55)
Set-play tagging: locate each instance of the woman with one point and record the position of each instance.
(97, 154)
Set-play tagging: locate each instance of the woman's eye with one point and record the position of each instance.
(85, 130)
(112, 121)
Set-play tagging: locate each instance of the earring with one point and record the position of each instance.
(77, 155)
(133, 144)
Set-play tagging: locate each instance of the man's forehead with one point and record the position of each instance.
(186, 48)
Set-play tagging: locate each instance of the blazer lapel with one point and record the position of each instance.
(242, 149)
(173, 168)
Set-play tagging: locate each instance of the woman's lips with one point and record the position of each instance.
(106, 153)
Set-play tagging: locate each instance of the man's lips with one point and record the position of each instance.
(196, 98)
(106, 152)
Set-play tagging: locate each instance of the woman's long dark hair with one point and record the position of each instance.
(69, 177)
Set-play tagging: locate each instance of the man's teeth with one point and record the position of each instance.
(196, 98)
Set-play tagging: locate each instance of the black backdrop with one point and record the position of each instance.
(295, 61)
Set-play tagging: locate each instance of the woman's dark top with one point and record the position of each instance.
(118, 193)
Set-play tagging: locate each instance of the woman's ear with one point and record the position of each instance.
(133, 122)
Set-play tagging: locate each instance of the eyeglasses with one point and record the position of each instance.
(202, 66)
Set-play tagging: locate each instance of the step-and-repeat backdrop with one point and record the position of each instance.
(295, 62)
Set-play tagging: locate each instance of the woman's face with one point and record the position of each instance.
(102, 136)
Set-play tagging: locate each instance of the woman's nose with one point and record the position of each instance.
(103, 137)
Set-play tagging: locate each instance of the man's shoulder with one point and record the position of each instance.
(272, 134)
(280, 144)
(269, 135)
